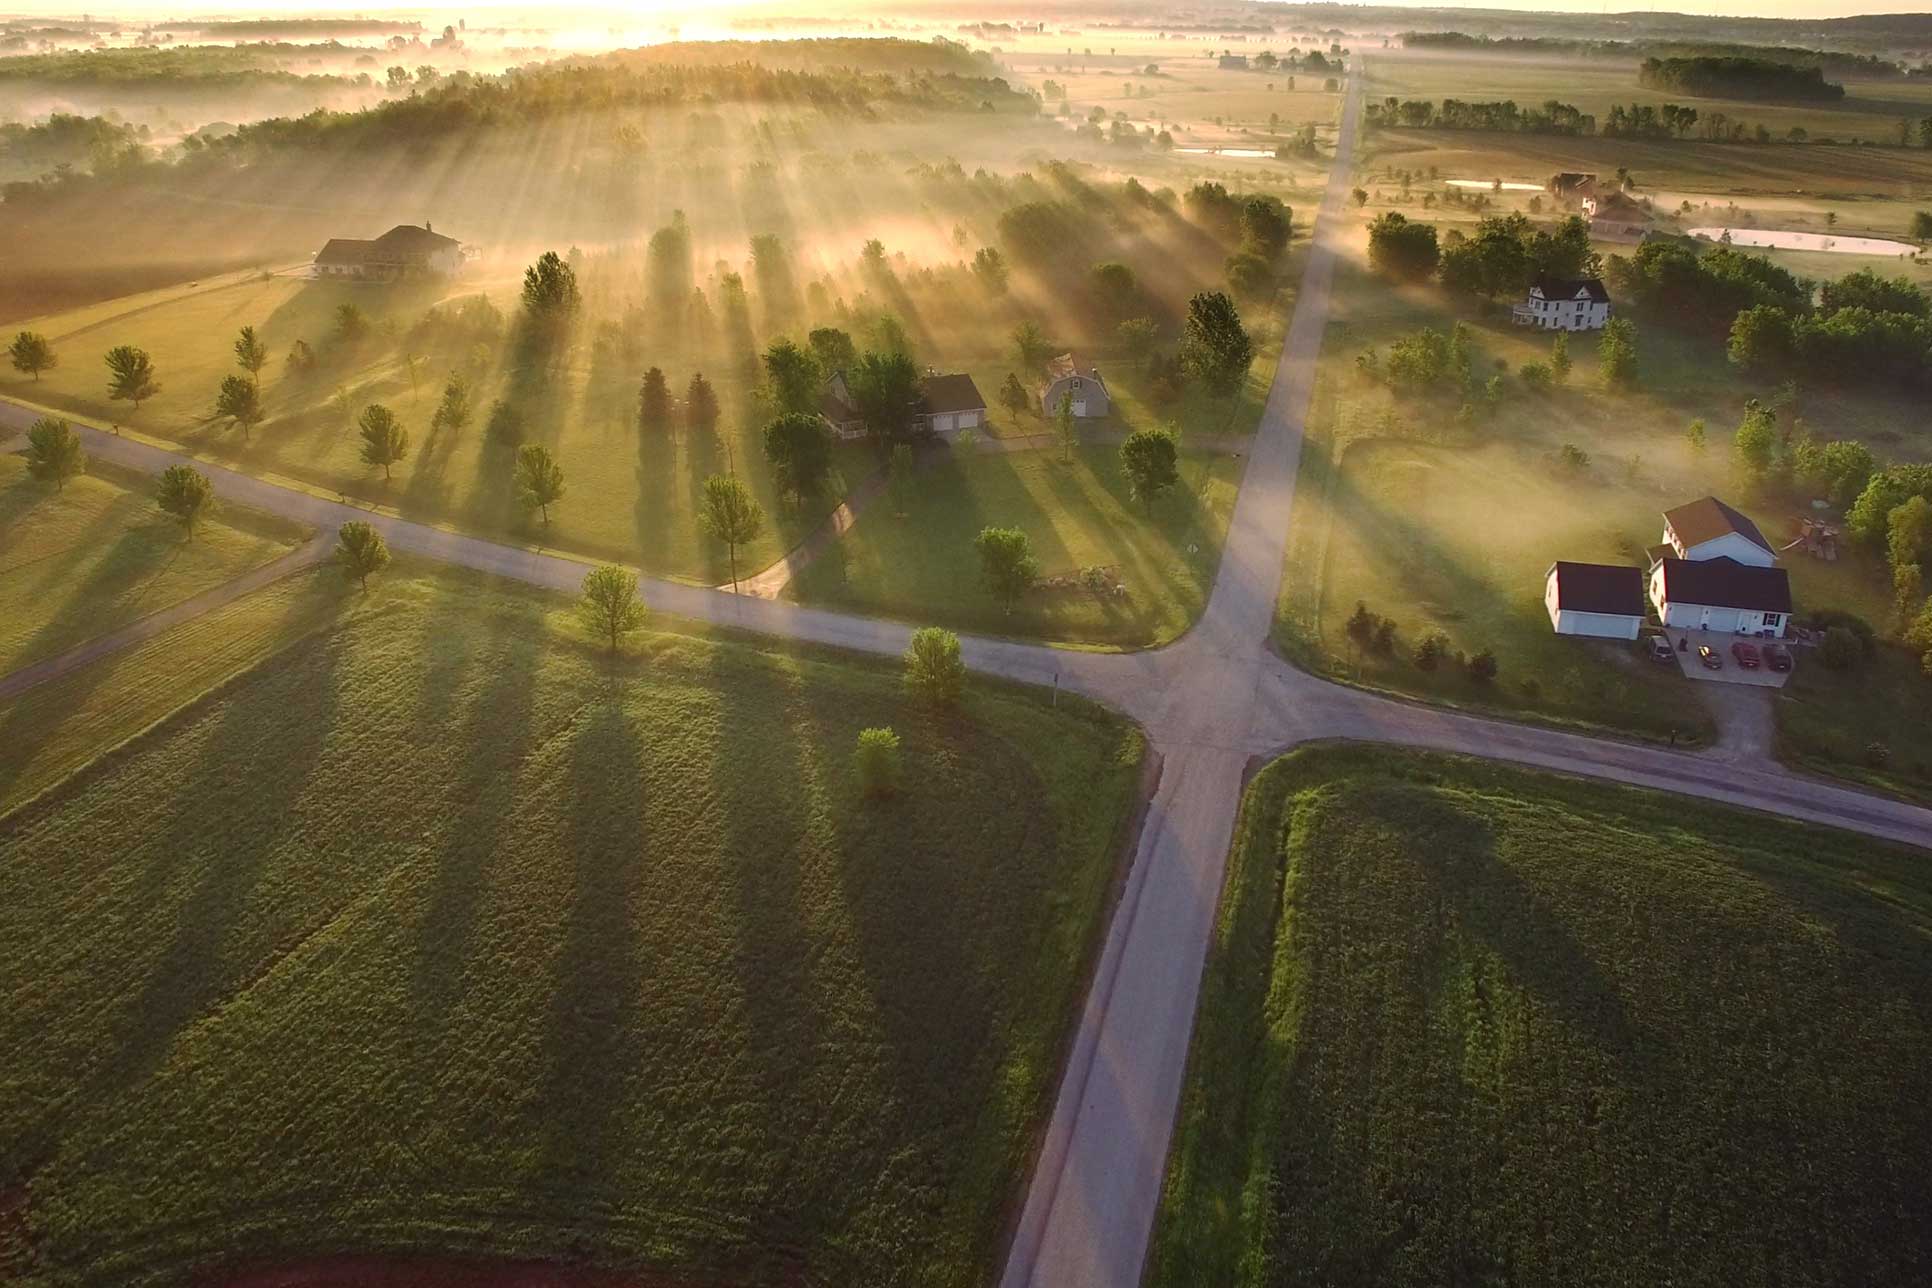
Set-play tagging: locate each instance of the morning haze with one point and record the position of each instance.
(1274, 645)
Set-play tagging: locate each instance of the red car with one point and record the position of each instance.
(1746, 654)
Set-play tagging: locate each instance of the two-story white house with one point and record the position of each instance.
(1564, 304)
(1714, 571)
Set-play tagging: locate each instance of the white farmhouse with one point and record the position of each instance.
(1709, 529)
(1721, 595)
(1601, 600)
(1564, 304)
(1714, 571)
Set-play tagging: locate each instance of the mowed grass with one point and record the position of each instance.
(629, 497)
(1867, 725)
(1077, 514)
(91, 557)
(443, 933)
(1465, 1023)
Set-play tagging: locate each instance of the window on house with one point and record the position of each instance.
(1771, 621)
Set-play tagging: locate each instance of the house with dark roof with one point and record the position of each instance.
(1069, 379)
(1601, 600)
(404, 251)
(949, 402)
(1709, 529)
(1564, 304)
(1572, 185)
(1721, 595)
(1616, 217)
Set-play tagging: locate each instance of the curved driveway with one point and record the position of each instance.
(1209, 703)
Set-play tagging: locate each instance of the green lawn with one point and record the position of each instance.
(1451, 527)
(1867, 725)
(444, 933)
(923, 567)
(1464, 1023)
(95, 555)
(628, 497)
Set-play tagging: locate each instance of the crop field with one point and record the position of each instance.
(1077, 514)
(1869, 112)
(1452, 528)
(95, 555)
(1467, 1023)
(607, 960)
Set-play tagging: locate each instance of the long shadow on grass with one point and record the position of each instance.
(594, 1045)
(481, 698)
(233, 811)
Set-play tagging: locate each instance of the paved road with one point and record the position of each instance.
(1209, 703)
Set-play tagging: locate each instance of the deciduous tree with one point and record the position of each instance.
(453, 412)
(876, 761)
(1030, 345)
(130, 375)
(361, 551)
(1755, 444)
(250, 353)
(54, 452)
(31, 353)
(728, 513)
(1617, 355)
(794, 377)
(540, 480)
(384, 440)
(240, 399)
(799, 447)
(1150, 459)
(887, 392)
(1065, 428)
(1007, 564)
(610, 605)
(934, 670)
(185, 492)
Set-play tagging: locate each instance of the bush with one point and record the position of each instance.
(1841, 650)
(1877, 754)
(934, 670)
(877, 761)
(1430, 652)
(1537, 377)
(1482, 667)
(1824, 619)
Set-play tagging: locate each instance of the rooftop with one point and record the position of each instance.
(1726, 583)
(952, 392)
(1599, 588)
(1570, 288)
(1707, 519)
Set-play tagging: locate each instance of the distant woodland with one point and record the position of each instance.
(1745, 78)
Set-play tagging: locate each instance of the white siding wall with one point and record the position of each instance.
(1732, 545)
(1610, 626)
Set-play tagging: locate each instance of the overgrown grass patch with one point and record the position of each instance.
(1469, 1023)
(446, 933)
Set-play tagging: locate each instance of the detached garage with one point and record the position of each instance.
(1601, 600)
(952, 403)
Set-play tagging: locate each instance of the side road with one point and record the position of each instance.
(1209, 703)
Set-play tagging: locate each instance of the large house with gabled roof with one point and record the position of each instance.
(1564, 304)
(406, 250)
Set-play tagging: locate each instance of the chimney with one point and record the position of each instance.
(427, 227)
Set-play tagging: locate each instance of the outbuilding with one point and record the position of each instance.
(953, 402)
(1601, 600)
(1067, 379)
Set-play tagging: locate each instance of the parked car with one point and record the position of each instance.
(1657, 649)
(1710, 657)
(1777, 656)
(1746, 654)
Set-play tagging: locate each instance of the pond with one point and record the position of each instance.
(1490, 185)
(1229, 152)
(1807, 241)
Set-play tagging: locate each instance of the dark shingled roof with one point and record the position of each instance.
(1567, 288)
(407, 238)
(1707, 519)
(953, 392)
(1726, 583)
(1599, 588)
(345, 250)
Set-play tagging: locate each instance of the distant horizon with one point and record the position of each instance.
(138, 10)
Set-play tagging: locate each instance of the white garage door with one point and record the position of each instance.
(943, 423)
(1080, 407)
(969, 420)
(1720, 619)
